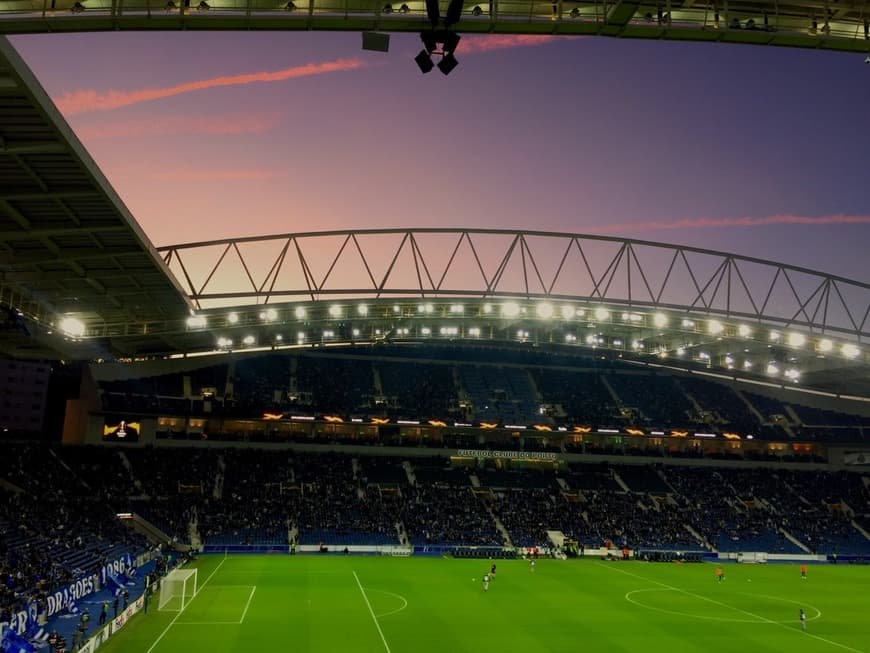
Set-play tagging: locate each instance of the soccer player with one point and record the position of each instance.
(803, 618)
(485, 582)
(803, 572)
(492, 570)
(720, 574)
(532, 564)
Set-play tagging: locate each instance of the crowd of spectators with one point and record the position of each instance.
(57, 506)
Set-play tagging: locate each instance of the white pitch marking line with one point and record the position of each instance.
(180, 612)
(371, 612)
(725, 605)
(398, 596)
(207, 623)
(248, 604)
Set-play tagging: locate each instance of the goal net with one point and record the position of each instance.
(177, 589)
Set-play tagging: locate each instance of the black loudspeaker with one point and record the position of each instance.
(376, 41)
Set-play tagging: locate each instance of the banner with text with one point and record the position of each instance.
(510, 455)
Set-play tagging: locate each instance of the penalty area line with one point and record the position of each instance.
(248, 604)
(183, 607)
(372, 612)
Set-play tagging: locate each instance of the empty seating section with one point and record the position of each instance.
(414, 391)
(336, 385)
(659, 398)
(721, 405)
(500, 393)
(581, 395)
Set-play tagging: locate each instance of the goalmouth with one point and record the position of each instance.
(177, 589)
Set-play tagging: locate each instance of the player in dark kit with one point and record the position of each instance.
(492, 570)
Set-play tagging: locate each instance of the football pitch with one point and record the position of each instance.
(323, 604)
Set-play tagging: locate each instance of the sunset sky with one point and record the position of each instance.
(759, 151)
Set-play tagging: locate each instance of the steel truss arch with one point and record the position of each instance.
(801, 23)
(485, 264)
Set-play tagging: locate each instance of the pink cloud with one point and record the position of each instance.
(729, 223)
(172, 125)
(490, 42)
(91, 100)
(205, 175)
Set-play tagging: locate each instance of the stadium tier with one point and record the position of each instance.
(470, 387)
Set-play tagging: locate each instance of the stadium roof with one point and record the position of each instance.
(796, 23)
(68, 245)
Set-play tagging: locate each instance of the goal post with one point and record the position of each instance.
(177, 589)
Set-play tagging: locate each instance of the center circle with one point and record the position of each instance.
(629, 596)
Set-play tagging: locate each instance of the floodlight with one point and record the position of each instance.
(772, 369)
(233, 318)
(825, 345)
(356, 333)
(335, 311)
(681, 351)
(450, 42)
(447, 64)
(300, 312)
(601, 313)
(797, 339)
(850, 351)
(249, 340)
(775, 336)
(660, 320)
(72, 327)
(474, 331)
(715, 327)
(688, 324)
(279, 337)
(487, 308)
(567, 311)
(744, 331)
(362, 309)
(510, 309)
(269, 315)
(196, 322)
(300, 336)
(792, 374)
(426, 331)
(424, 62)
(224, 343)
(544, 310)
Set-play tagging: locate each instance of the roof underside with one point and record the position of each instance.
(68, 246)
(799, 23)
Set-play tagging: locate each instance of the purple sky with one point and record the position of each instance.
(589, 135)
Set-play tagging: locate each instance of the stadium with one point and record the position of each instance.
(432, 438)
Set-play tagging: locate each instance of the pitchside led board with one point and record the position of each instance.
(121, 431)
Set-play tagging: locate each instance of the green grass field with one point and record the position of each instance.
(421, 605)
